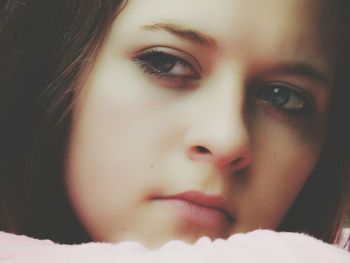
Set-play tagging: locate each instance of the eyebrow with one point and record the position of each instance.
(181, 32)
(297, 68)
(302, 69)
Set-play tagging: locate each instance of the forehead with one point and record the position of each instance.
(230, 16)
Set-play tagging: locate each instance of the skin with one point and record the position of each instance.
(137, 136)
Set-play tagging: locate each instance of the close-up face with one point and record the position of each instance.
(200, 118)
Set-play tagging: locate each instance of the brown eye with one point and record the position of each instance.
(166, 65)
(159, 62)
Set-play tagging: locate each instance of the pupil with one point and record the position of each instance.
(163, 63)
(278, 95)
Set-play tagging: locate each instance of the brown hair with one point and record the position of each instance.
(45, 47)
(320, 209)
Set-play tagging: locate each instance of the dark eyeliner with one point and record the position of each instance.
(145, 59)
(308, 112)
(309, 109)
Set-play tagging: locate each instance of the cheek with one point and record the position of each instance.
(97, 183)
(285, 156)
(100, 170)
(114, 128)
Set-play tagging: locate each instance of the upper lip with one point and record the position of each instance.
(202, 199)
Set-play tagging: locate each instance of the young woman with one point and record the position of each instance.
(173, 119)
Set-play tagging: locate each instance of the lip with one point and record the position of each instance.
(200, 208)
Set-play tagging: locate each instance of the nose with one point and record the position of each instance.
(220, 134)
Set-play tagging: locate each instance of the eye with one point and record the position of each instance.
(168, 67)
(287, 98)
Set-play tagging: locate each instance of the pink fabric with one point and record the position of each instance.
(257, 246)
(344, 239)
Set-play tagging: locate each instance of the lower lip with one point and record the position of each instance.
(198, 214)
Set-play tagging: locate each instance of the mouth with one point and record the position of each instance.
(200, 209)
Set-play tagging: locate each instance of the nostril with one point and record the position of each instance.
(201, 149)
(237, 161)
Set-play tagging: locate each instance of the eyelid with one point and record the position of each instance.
(295, 88)
(191, 60)
(311, 106)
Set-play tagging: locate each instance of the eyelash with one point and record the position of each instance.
(148, 62)
(307, 108)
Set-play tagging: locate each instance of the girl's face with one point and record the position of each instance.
(200, 118)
